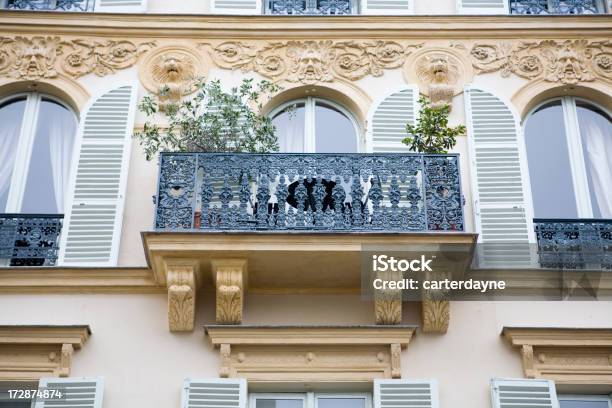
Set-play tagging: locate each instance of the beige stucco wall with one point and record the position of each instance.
(144, 364)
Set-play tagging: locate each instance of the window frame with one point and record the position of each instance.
(310, 399)
(573, 138)
(586, 397)
(25, 145)
(310, 118)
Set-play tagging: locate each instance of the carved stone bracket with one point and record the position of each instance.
(388, 302)
(435, 315)
(310, 353)
(33, 58)
(32, 352)
(311, 62)
(567, 356)
(567, 62)
(230, 278)
(181, 280)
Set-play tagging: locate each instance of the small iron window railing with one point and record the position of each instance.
(310, 7)
(48, 5)
(535, 7)
(29, 239)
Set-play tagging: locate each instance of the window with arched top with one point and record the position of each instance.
(37, 134)
(315, 125)
(569, 153)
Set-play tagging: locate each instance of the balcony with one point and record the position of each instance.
(48, 5)
(311, 7)
(537, 7)
(309, 192)
(29, 239)
(574, 244)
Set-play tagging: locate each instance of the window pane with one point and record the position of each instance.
(341, 403)
(290, 128)
(549, 167)
(596, 134)
(577, 403)
(279, 403)
(334, 132)
(49, 167)
(11, 116)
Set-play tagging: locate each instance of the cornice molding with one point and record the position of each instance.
(565, 355)
(310, 353)
(32, 352)
(296, 27)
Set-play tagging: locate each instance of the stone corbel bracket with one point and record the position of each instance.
(32, 352)
(230, 278)
(181, 276)
(310, 353)
(567, 356)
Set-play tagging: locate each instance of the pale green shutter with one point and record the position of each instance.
(121, 6)
(388, 119)
(406, 394)
(214, 393)
(248, 7)
(523, 393)
(483, 6)
(500, 180)
(387, 7)
(75, 392)
(92, 225)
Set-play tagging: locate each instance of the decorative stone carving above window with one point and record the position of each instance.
(32, 352)
(311, 62)
(567, 356)
(33, 58)
(310, 353)
(568, 62)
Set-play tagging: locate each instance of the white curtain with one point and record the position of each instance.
(9, 136)
(290, 130)
(597, 138)
(62, 129)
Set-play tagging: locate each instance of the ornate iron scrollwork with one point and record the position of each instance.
(30, 240)
(55, 5)
(315, 192)
(574, 244)
(554, 7)
(310, 7)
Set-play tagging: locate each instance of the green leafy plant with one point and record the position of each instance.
(432, 133)
(213, 120)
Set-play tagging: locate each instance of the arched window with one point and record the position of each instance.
(569, 153)
(315, 125)
(37, 136)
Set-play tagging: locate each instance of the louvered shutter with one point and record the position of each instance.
(387, 7)
(388, 119)
(500, 180)
(509, 393)
(92, 226)
(406, 394)
(249, 7)
(76, 392)
(483, 6)
(214, 393)
(121, 6)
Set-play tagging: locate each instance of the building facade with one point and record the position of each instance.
(234, 280)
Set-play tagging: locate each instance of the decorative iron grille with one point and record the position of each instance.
(555, 7)
(310, 7)
(574, 244)
(313, 192)
(50, 5)
(30, 240)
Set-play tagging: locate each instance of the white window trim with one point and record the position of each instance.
(588, 397)
(309, 119)
(580, 182)
(25, 146)
(309, 399)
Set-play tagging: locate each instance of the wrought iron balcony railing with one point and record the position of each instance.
(29, 239)
(48, 5)
(310, 7)
(312, 192)
(574, 244)
(556, 7)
